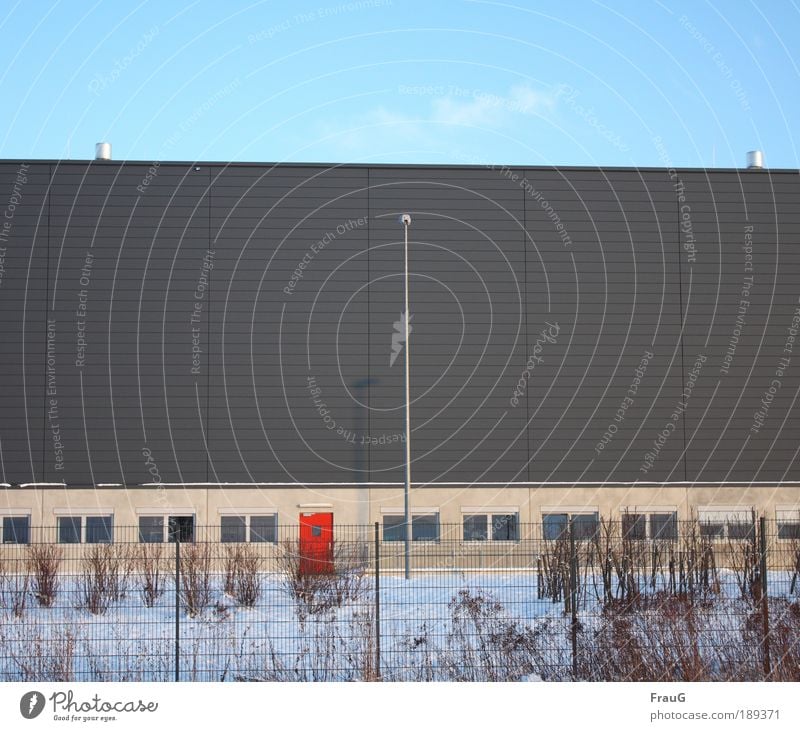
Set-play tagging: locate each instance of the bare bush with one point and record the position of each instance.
(230, 566)
(151, 570)
(37, 654)
(123, 561)
(329, 649)
(44, 561)
(93, 581)
(195, 577)
(242, 568)
(319, 592)
(483, 643)
(553, 570)
(668, 638)
(15, 582)
(785, 639)
(105, 573)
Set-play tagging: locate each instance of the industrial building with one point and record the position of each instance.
(219, 344)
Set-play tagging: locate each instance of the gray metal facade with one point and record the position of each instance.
(237, 324)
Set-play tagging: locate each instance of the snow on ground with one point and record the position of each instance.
(435, 623)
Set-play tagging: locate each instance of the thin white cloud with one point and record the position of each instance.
(447, 109)
(484, 109)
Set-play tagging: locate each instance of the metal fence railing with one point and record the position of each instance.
(609, 602)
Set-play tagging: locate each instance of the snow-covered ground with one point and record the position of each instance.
(443, 625)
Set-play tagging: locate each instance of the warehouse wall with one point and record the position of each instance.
(209, 323)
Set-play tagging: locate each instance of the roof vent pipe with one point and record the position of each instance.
(102, 151)
(755, 160)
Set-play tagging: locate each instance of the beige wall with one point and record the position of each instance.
(360, 505)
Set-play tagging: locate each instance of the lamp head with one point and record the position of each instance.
(405, 219)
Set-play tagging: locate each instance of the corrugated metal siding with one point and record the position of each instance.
(291, 378)
(266, 343)
(23, 293)
(612, 288)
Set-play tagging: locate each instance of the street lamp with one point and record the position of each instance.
(405, 220)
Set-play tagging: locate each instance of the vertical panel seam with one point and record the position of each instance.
(528, 423)
(46, 290)
(681, 331)
(208, 349)
(369, 323)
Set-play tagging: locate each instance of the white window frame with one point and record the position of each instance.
(166, 514)
(82, 514)
(489, 513)
(648, 511)
(786, 514)
(414, 512)
(570, 511)
(248, 513)
(15, 513)
(724, 514)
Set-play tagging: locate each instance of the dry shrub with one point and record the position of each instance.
(195, 577)
(15, 582)
(329, 650)
(242, 568)
(39, 656)
(44, 561)
(315, 593)
(151, 570)
(744, 560)
(105, 574)
(785, 639)
(552, 567)
(483, 643)
(669, 638)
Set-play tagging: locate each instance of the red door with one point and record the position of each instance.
(316, 543)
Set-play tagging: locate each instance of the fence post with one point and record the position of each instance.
(573, 597)
(377, 601)
(177, 606)
(764, 598)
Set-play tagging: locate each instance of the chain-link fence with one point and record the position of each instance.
(607, 601)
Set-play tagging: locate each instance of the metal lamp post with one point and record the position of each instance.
(405, 220)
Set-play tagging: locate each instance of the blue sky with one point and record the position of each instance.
(570, 83)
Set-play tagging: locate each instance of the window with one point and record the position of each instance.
(394, 528)
(475, 528)
(69, 530)
(653, 526)
(733, 523)
(586, 526)
(16, 529)
(788, 524)
(263, 528)
(154, 529)
(424, 527)
(740, 530)
(89, 529)
(255, 528)
(634, 527)
(233, 529)
(151, 529)
(181, 527)
(664, 526)
(504, 527)
(99, 528)
(556, 525)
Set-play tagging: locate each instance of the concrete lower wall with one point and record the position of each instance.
(360, 505)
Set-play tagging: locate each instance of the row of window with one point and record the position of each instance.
(152, 529)
(424, 527)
